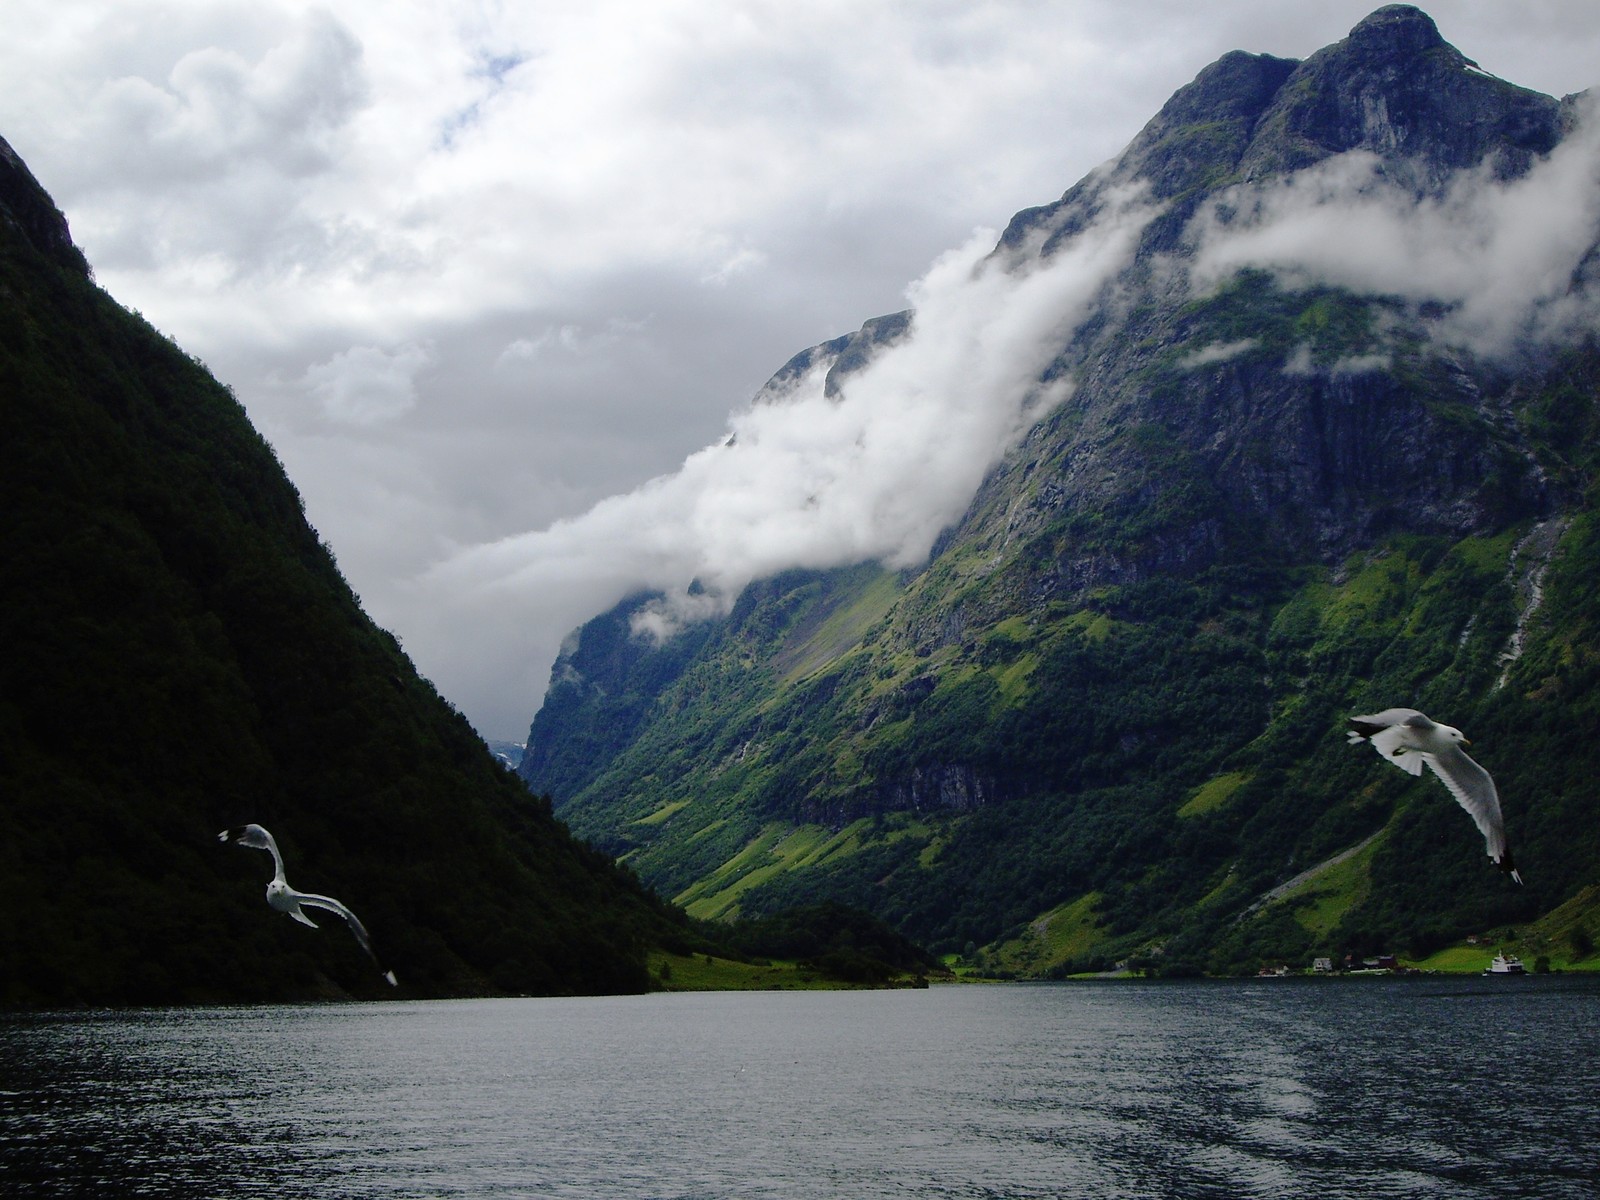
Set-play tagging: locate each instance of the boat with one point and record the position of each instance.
(1505, 964)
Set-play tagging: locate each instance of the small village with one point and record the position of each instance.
(1501, 963)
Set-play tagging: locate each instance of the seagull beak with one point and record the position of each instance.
(1466, 741)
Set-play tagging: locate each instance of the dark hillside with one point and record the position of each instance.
(180, 654)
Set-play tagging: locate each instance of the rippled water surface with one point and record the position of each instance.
(1467, 1087)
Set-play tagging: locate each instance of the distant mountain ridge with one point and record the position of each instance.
(1101, 723)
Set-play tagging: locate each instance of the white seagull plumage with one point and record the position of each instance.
(1408, 739)
(286, 900)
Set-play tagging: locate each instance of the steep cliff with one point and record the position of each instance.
(1102, 722)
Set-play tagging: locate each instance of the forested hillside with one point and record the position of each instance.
(181, 654)
(1104, 723)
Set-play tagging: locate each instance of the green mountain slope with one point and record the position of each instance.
(1104, 723)
(180, 654)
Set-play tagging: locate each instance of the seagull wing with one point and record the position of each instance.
(1393, 735)
(295, 911)
(257, 838)
(356, 927)
(1397, 745)
(1369, 725)
(1474, 789)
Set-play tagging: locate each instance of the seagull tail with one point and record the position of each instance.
(393, 982)
(1510, 868)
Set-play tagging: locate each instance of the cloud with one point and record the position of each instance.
(365, 385)
(571, 340)
(1216, 352)
(230, 133)
(695, 191)
(1361, 364)
(804, 479)
(216, 109)
(1502, 256)
(736, 263)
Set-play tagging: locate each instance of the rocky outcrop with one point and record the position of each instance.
(945, 787)
(27, 208)
(859, 347)
(948, 788)
(840, 357)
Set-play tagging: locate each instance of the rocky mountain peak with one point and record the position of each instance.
(1396, 31)
(1396, 88)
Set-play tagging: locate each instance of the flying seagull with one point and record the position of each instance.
(1408, 739)
(286, 900)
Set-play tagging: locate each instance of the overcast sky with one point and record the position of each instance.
(497, 280)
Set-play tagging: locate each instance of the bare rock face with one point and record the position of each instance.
(27, 208)
(1398, 89)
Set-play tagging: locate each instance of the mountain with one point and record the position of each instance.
(181, 655)
(1323, 443)
(509, 753)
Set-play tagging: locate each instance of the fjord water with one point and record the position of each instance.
(1433, 1087)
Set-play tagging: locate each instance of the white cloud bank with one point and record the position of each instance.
(365, 385)
(874, 472)
(1501, 255)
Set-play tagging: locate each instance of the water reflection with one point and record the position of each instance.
(1189, 1090)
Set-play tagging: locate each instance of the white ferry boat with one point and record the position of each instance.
(1505, 964)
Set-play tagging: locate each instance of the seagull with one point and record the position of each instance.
(1408, 739)
(286, 900)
